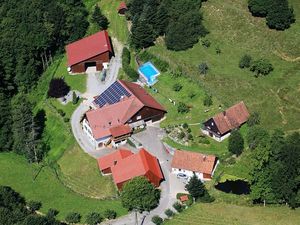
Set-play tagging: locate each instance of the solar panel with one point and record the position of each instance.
(111, 95)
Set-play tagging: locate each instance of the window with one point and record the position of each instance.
(138, 117)
(179, 169)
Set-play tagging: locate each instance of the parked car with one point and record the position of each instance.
(182, 176)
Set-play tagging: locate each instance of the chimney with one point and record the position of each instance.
(224, 113)
(115, 162)
(204, 157)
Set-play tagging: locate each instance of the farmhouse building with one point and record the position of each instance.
(91, 51)
(220, 126)
(122, 8)
(121, 108)
(190, 163)
(124, 166)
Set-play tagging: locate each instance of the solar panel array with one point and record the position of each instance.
(112, 95)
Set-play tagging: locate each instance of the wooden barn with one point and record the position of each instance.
(92, 51)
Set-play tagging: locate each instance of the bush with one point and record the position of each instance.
(245, 61)
(66, 120)
(178, 207)
(185, 125)
(190, 137)
(203, 68)
(74, 98)
(261, 67)
(206, 43)
(182, 108)
(189, 130)
(177, 87)
(93, 218)
(52, 213)
(169, 213)
(110, 214)
(58, 88)
(125, 57)
(73, 217)
(280, 16)
(61, 112)
(254, 119)
(207, 100)
(236, 143)
(206, 198)
(34, 205)
(157, 220)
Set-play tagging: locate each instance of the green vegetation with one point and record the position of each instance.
(236, 32)
(58, 88)
(40, 183)
(93, 218)
(157, 220)
(223, 214)
(99, 19)
(236, 143)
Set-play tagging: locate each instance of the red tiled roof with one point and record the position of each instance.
(122, 6)
(136, 165)
(101, 120)
(109, 160)
(120, 130)
(193, 161)
(140, 93)
(232, 118)
(88, 47)
(184, 198)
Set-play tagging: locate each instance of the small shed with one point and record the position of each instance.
(184, 198)
(122, 8)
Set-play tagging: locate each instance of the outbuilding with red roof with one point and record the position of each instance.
(125, 166)
(220, 126)
(194, 163)
(94, 50)
(122, 8)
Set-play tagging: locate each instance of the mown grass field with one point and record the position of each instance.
(17, 173)
(236, 32)
(225, 214)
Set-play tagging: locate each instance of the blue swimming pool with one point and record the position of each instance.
(149, 72)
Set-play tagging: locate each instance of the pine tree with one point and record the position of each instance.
(5, 123)
(195, 187)
(161, 19)
(99, 19)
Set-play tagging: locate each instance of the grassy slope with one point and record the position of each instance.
(224, 214)
(236, 32)
(18, 174)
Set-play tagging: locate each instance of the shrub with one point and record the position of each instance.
(131, 73)
(206, 43)
(52, 213)
(74, 98)
(178, 207)
(245, 61)
(207, 100)
(169, 213)
(189, 130)
(254, 119)
(190, 137)
(177, 87)
(182, 108)
(203, 68)
(261, 67)
(73, 217)
(206, 198)
(61, 112)
(185, 125)
(157, 220)
(58, 88)
(34, 205)
(191, 95)
(280, 16)
(66, 120)
(110, 214)
(93, 218)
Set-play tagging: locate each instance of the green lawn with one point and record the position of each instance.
(225, 214)
(236, 32)
(18, 174)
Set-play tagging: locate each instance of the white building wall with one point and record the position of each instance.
(219, 139)
(188, 173)
(88, 131)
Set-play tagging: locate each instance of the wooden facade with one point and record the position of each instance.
(147, 114)
(95, 61)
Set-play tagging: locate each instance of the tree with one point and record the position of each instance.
(52, 213)
(259, 7)
(236, 143)
(203, 68)
(5, 123)
(257, 136)
(280, 16)
(261, 67)
(157, 220)
(58, 88)
(74, 98)
(99, 19)
(110, 214)
(93, 218)
(34, 205)
(182, 108)
(139, 194)
(207, 100)
(245, 61)
(169, 213)
(254, 119)
(73, 217)
(195, 187)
